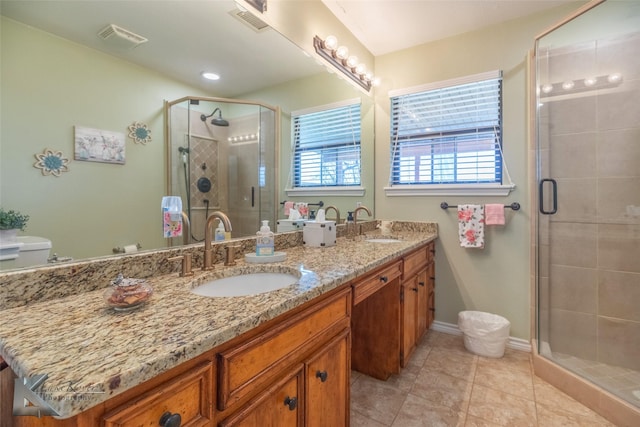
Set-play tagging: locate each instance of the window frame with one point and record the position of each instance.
(293, 189)
(449, 188)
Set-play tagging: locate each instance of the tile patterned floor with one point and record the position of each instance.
(445, 385)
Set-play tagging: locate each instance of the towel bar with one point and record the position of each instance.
(514, 206)
(320, 203)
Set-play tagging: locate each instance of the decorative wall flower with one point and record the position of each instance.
(140, 133)
(51, 163)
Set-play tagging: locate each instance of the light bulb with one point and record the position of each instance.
(352, 61)
(368, 76)
(331, 42)
(342, 52)
(590, 81)
(614, 78)
(361, 69)
(568, 85)
(547, 88)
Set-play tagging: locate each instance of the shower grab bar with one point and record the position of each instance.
(514, 206)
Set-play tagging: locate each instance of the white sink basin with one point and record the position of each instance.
(383, 240)
(245, 284)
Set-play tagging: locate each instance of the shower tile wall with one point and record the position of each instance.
(590, 287)
(203, 164)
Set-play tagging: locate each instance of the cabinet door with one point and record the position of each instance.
(327, 384)
(279, 406)
(423, 302)
(409, 318)
(431, 301)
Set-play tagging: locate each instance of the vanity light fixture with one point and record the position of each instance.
(244, 138)
(339, 57)
(581, 85)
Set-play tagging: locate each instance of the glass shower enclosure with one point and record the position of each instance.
(588, 177)
(222, 156)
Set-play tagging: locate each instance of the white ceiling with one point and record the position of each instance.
(190, 36)
(385, 26)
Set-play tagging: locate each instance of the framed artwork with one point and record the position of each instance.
(96, 145)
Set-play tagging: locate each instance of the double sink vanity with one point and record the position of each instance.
(279, 357)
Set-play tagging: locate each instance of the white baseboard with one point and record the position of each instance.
(451, 329)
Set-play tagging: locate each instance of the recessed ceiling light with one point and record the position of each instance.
(210, 76)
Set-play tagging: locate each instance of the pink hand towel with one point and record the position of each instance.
(287, 208)
(471, 226)
(494, 214)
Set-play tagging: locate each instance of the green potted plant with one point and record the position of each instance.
(10, 222)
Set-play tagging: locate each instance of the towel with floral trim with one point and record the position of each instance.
(471, 226)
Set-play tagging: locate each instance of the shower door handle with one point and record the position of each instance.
(554, 189)
(253, 196)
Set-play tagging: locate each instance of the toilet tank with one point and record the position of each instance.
(34, 251)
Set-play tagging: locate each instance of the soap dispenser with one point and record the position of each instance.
(220, 232)
(265, 242)
(351, 225)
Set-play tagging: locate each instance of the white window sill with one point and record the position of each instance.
(326, 191)
(449, 190)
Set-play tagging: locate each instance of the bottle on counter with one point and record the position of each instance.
(351, 226)
(265, 242)
(220, 233)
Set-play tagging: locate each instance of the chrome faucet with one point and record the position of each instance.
(208, 235)
(355, 217)
(337, 212)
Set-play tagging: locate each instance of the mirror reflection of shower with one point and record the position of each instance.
(213, 167)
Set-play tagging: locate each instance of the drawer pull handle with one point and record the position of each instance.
(384, 279)
(291, 402)
(421, 283)
(322, 375)
(170, 420)
(432, 278)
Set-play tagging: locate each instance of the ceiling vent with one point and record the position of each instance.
(119, 37)
(250, 20)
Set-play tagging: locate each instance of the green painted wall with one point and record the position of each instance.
(494, 279)
(48, 86)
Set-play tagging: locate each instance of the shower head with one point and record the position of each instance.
(218, 121)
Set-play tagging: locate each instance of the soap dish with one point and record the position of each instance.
(255, 259)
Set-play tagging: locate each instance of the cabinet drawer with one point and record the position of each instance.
(188, 394)
(248, 367)
(415, 261)
(369, 285)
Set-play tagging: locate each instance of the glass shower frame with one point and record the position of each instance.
(240, 161)
(587, 83)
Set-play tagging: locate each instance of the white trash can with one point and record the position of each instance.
(484, 334)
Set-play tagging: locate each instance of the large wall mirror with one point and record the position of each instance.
(59, 77)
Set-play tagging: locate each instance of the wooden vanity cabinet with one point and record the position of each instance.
(417, 298)
(376, 322)
(307, 357)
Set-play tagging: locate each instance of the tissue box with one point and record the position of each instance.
(319, 234)
(283, 225)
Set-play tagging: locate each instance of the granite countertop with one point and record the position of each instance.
(91, 352)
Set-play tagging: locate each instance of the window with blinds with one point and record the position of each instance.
(448, 134)
(327, 147)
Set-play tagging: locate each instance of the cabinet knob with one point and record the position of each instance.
(322, 375)
(291, 402)
(414, 289)
(170, 420)
(384, 279)
(432, 309)
(421, 283)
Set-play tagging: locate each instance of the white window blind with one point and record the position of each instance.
(327, 147)
(450, 134)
